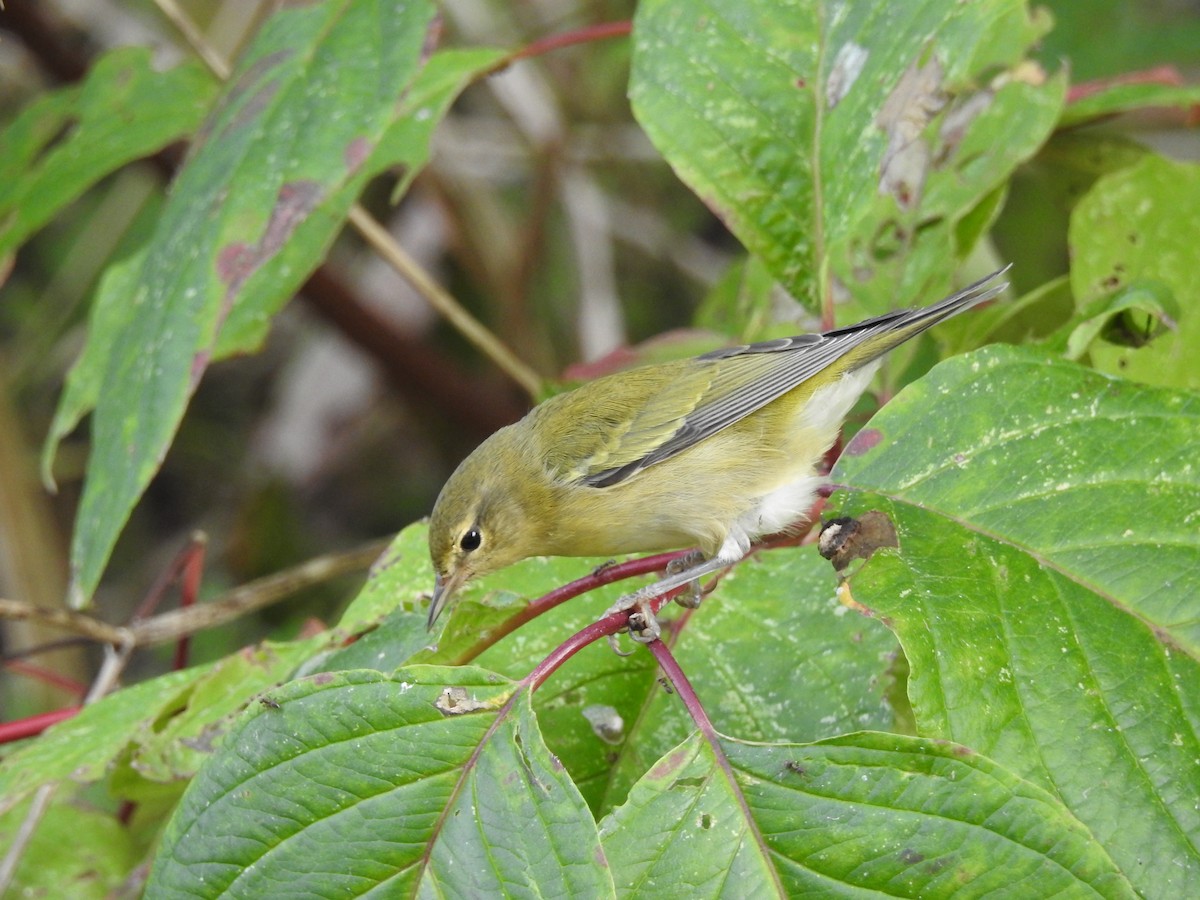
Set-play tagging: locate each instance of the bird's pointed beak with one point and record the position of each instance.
(444, 590)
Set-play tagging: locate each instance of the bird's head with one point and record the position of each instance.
(485, 517)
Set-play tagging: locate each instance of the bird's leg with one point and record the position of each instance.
(643, 626)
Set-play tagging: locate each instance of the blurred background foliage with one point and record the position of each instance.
(545, 211)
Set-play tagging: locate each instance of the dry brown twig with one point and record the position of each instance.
(177, 623)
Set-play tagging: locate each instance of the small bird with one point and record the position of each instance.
(709, 452)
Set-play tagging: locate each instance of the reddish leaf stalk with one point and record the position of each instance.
(598, 578)
(683, 687)
(685, 691)
(189, 591)
(587, 35)
(46, 676)
(175, 569)
(31, 726)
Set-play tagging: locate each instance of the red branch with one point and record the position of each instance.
(32, 726)
(587, 35)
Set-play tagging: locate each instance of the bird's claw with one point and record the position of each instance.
(642, 625)
(691, 596)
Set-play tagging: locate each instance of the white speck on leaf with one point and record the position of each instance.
(847, 66)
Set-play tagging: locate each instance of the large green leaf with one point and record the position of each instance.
(844, 139)
(886, 814)
(66, 141)
(1045, 590)
(428, 782)
(326, 96)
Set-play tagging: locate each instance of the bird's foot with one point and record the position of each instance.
(642, 625)
(693, 594)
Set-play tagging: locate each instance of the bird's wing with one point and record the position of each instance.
(661, 411)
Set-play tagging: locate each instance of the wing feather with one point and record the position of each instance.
(680, 404)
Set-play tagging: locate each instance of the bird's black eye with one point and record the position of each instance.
(471, 540)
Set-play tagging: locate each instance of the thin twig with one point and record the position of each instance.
(487, 343)
(253, 596)
(64, 619)
(195, 39)
(179, 623)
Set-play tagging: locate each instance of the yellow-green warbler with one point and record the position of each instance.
(709, 452)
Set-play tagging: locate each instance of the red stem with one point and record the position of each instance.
(47, 676)
(32, 726)
(189, 591)
(586, 35)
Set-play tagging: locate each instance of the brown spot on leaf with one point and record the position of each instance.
(237, 261)
(455, 701)
(911, 106)
(845, 539)
(233, 261)
(867, 439)
(910, 856)
(670, 764)
(356, 153)
(432, 38)
(959, 118)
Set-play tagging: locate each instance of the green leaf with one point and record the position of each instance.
(775, 612)
(66, 141)
(913, 818)
(401, 579)
(101, 852)
(327, 96)
(111, 315)
(177, 747)
(82, 748)
(1134, 230)
(843, 140)
(1032, 228)
(685, 832)
(900, 816)
(1152, 301)
(164, 728)
(1045, 589)
(425, 782)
